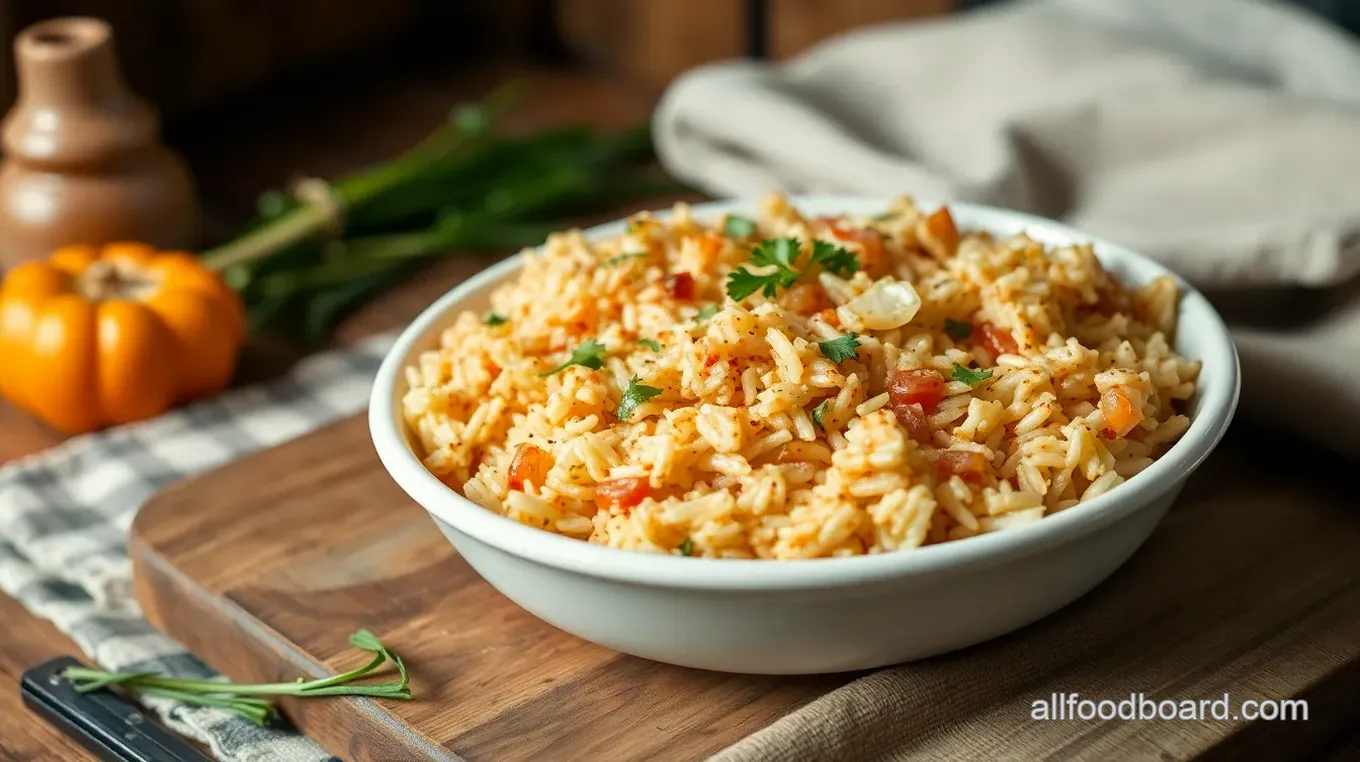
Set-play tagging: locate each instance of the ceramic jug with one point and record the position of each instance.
(83, 159)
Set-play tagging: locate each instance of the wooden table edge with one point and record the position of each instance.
(153, 578)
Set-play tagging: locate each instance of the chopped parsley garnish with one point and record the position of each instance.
(820, 411)
(782, 254)
(970, 377)
(687, 547)
(839, 349)
(494, 320)
(707, 312)
(650, 344)
(834, 259)
(620, 259)
(634, 395)
(738, 227)
(590, 354)
(957, 329)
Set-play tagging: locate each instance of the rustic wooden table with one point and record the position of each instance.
(324, 133)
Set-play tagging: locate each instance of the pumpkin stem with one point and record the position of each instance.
(115, 280)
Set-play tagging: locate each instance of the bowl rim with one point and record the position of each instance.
(1218, 401)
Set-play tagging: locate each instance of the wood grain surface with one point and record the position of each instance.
(235, 154)
(1251, 586)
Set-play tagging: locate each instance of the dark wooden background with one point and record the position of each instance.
(189, 56)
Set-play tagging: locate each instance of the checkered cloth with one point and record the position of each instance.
(65, 513)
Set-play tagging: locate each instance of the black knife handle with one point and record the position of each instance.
(109, 726)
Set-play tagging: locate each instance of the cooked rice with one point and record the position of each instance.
(729, 454)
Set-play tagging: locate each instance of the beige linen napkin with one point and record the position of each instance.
(1221, 137)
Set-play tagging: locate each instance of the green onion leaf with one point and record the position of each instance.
(970, 377)
(590, 354)
(840, 349)
(650, 344)
(706, 313)
(687, 547)
(958, 329)
(494, 320)
(636, 394)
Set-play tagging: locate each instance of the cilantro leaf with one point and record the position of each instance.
(494, 320)
(780, 252)
(738, 227)
(819, 412)
(833, 258)
(707, 312)
(958, 329)
(741, 283)
(687, 547)
(970, 377)
(590, 354)
(650, 344)
(634, 395)
(620, 259)
(839, 349)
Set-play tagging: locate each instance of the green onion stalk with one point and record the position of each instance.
(316, 253)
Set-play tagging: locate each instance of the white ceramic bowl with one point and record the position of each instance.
(822, 615)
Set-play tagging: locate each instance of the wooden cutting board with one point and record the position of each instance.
(1251, 585)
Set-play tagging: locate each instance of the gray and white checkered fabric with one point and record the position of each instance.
(65, 513)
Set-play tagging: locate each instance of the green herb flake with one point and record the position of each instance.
(958, 329)
(884, 216)
(819, 412)
(494, 320)
(834, 259)
(706, 313)
(590, 354)
(840, 349)
(687, 547)
(970, 377)
(620, 259)
(650, 344)
(738, 227)
(636, 394)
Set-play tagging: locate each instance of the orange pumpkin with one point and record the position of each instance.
(93, 337)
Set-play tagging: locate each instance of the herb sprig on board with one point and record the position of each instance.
(244, 698)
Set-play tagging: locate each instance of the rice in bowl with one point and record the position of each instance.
(797, 388)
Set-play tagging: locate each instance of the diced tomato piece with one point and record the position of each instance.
(913, 419)
(1122, 411)
(710, 360)
(916, 387)
(996, 341)
(970, 466)
(622, 493)
(806, 298)
(939, 233)
(830, 317)
(680, 286)
(530, 464)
